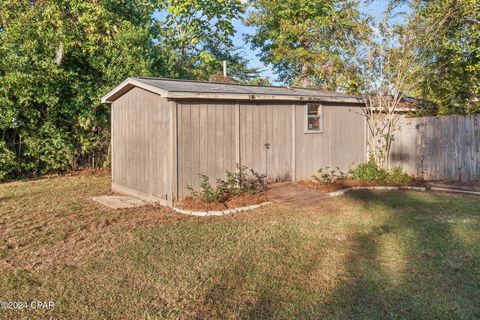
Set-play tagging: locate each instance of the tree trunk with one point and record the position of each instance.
(59, 55)
(305, 76)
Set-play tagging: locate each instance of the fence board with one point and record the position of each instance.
(438, 148)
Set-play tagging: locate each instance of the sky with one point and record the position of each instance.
(375, 8)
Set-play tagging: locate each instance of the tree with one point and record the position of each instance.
(307, 41)
(57, 58)
(389, 68)
(196, 37)
(451, 66)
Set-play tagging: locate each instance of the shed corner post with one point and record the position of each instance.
(294, 139)
(174, 151)
(237, 133)
(367, 137)
(112, 168)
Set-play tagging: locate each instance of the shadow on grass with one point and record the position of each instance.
(411, 262)
(394, 255)
(264, 278)
(411, 265)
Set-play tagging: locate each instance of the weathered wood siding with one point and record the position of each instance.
(206, 141)
(141, 143)
(438, 148)
(341, 144)
(213, 136)
(265, 139)
(160, 147)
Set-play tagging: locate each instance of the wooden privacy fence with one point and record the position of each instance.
(438, 148)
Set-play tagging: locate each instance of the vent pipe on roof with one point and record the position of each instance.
(224, 68)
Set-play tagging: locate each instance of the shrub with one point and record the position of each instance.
(369, 171)
(207, 192)
(325, 175)
(397, 176)
(242, 181)
(7, 161)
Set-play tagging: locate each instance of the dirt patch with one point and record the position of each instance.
(196, 204)
(348, 183)
(235, 202)
(246, 200)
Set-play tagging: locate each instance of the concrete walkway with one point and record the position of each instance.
(119, 202)
(293, 195)
(473, 186)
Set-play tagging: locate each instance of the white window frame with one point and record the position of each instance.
(306, 116)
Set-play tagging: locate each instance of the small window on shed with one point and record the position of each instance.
(313, 118)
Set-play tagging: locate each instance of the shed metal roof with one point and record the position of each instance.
(186, 89)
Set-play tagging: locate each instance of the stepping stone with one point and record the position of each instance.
(119, 202)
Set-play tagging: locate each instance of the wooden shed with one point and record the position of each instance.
(166, 132)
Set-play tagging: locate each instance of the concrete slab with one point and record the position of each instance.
(119, 202)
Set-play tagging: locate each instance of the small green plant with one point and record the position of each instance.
(242, 181)
(207, 192)
(397, 176)
(325, 175)
(7, 161)
(369, 171)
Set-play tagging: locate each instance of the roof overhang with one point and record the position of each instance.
(131, 83)
(126, 86)
(259, 97)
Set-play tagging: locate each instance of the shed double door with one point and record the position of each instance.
(266, 139)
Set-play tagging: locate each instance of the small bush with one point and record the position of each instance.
(369, 171)
(242, 181)
(207, 192)
(325, 175)
(397, 176)
(7, 161)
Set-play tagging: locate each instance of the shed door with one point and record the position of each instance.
(266, 139)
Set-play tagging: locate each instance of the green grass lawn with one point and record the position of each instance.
(398, 255)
